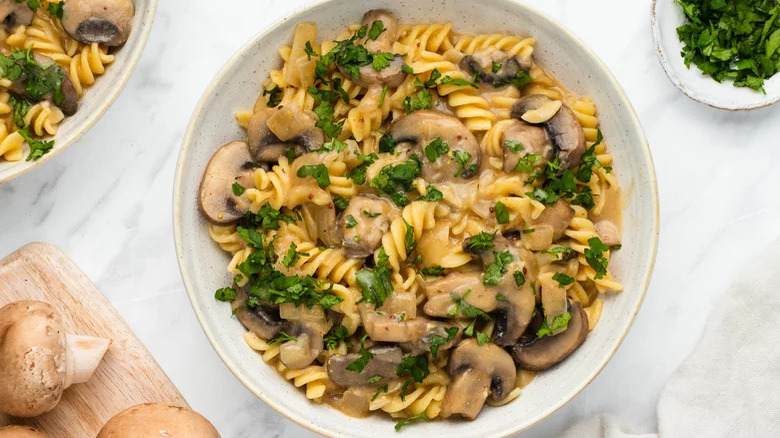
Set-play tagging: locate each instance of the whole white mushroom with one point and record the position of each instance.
(156, 420)
(38, 360)
(20, 432)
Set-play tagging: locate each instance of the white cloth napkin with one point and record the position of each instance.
(730, 384)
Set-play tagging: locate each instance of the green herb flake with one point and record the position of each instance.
(360, 363)
(559, 322)
(238, 189)
(595, 257)
(432, 194)
(437, 340)
(319, 172)
(371, 214)
(519, 278)
(433, 271)
(335, 336)
(436, 149)
(495, 67)
(563, 279)
(281, 338)
(422, 416)
(502, 214)
(377, 27)
(292, 256)
(351, 222)
(226, 294)
(480, 242)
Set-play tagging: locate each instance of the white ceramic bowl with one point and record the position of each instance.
(666, 17)
(203, 264)
(97, 97)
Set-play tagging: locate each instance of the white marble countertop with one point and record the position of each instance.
(107, 202)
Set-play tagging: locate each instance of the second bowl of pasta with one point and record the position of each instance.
(415, 215)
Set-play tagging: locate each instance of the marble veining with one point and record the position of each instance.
(106, 201)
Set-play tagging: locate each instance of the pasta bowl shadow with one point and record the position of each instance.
(202, 262)
(98, 97)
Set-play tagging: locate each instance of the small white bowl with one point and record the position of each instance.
(667, 16)
(98, 97)
(203, 264)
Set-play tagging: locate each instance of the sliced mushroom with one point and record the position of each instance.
(440, 294)
(272, 132)
(263, 320)
(384, 363)
(107, 22)
(217, 201)
(608, 232)
(392, 75)
(542, 353)
(422, 127)
(14, 14)
(476, 372)
(364, 222)
(482, 65)
(383, 328)
(565, 130)
(434, 329)
(533, 139)
(384, 42)
(558, 216)
(68, 104)
(302, 351)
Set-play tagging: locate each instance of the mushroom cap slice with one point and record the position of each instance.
(565, 130)
(542, 353)
(107, 22)
(263, 321)
(558, 216)
(422, 127)
(477, 370)
(482, 64)
(301, 352)
(434, 328)
(69, 104)
(384, 42)
(440, 293)
(20, 432)
(515, 313)
(322, 222)
(155, 420)
(32, 358)
(271, 132)
(382, 328)
(372, 217)
(14, 14)
(608, 232)
(392, 75)
(230, 164)
(534, 140)
(384, 363)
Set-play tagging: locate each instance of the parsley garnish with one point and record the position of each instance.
(432, 194)
(463, 158)
(595, 257)
(55, 9)
(38, 148)
(466, 309)
(282, 337)
(267, 218)
(351, 222)
(433, 271)
(514, 146)
(495, 271)
(419, 101)
(340, 203)
(225, 294)
(495, 67)
(391, 178)
(335, 336)
(409, 238)
(292, 256)
(402, 422)
(274, 96)
(482, 338)
(238, 189)
(527, 162)
(415, 367)
(436, 149)
(563, 279)
(437, 340)
(319, 172)
(380, 390)
(502, 214)
(519, 278)
(21, 107)
(373, 379)
(377, 27)
(371, 214)
(387, 143)
(360, 363)
(480, 242)
(375, 283)
(558, 323)
(459, 82)
(382, 96)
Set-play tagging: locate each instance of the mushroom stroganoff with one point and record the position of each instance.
(419, 220)
(50, 52)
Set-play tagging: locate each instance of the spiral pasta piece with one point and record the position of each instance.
(87, 64)
(43, 118)
(419, 216)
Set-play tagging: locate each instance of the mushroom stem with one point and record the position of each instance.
(83, 355)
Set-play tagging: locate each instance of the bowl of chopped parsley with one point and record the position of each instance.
(723, 53)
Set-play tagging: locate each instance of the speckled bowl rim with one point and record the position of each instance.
(675, 79)
(92, 118)
(191, 293)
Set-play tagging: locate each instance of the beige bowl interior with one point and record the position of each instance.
(203, 263)
(97, 97)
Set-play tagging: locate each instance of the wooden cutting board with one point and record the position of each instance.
(128, 374)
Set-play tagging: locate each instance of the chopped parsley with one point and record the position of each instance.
(38, 148)
(480, 242)
(502, 214)
(377, 27)
(433, 271)
(335, 336)
(436, 149)
(21, 107)
(340, 202)
(495, 271)
(267, 218)
(409, 238)
(238, 189)
(382, 96)
(225, 294)
(292, 256)
(387, 143)
(463, 158)
(482, 338)
(421, 100)
(402, 422)
(495, 67)
(466, 309)
(380, 390)
(432, 194)
(519, 278)
(559, 322)
(563, 279)
(358, 173)
(415, 368)
(375, 283)
(371, 214)
(594, 255)
(391, 179)
(319, 172)
(527, 163)
(459, 82)
(514, 146)
(374, 379)
(281, 338)
(437, 340)
(735, 40)
(55, 9)
(274, 96)
(360, 363)
(351, 222)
